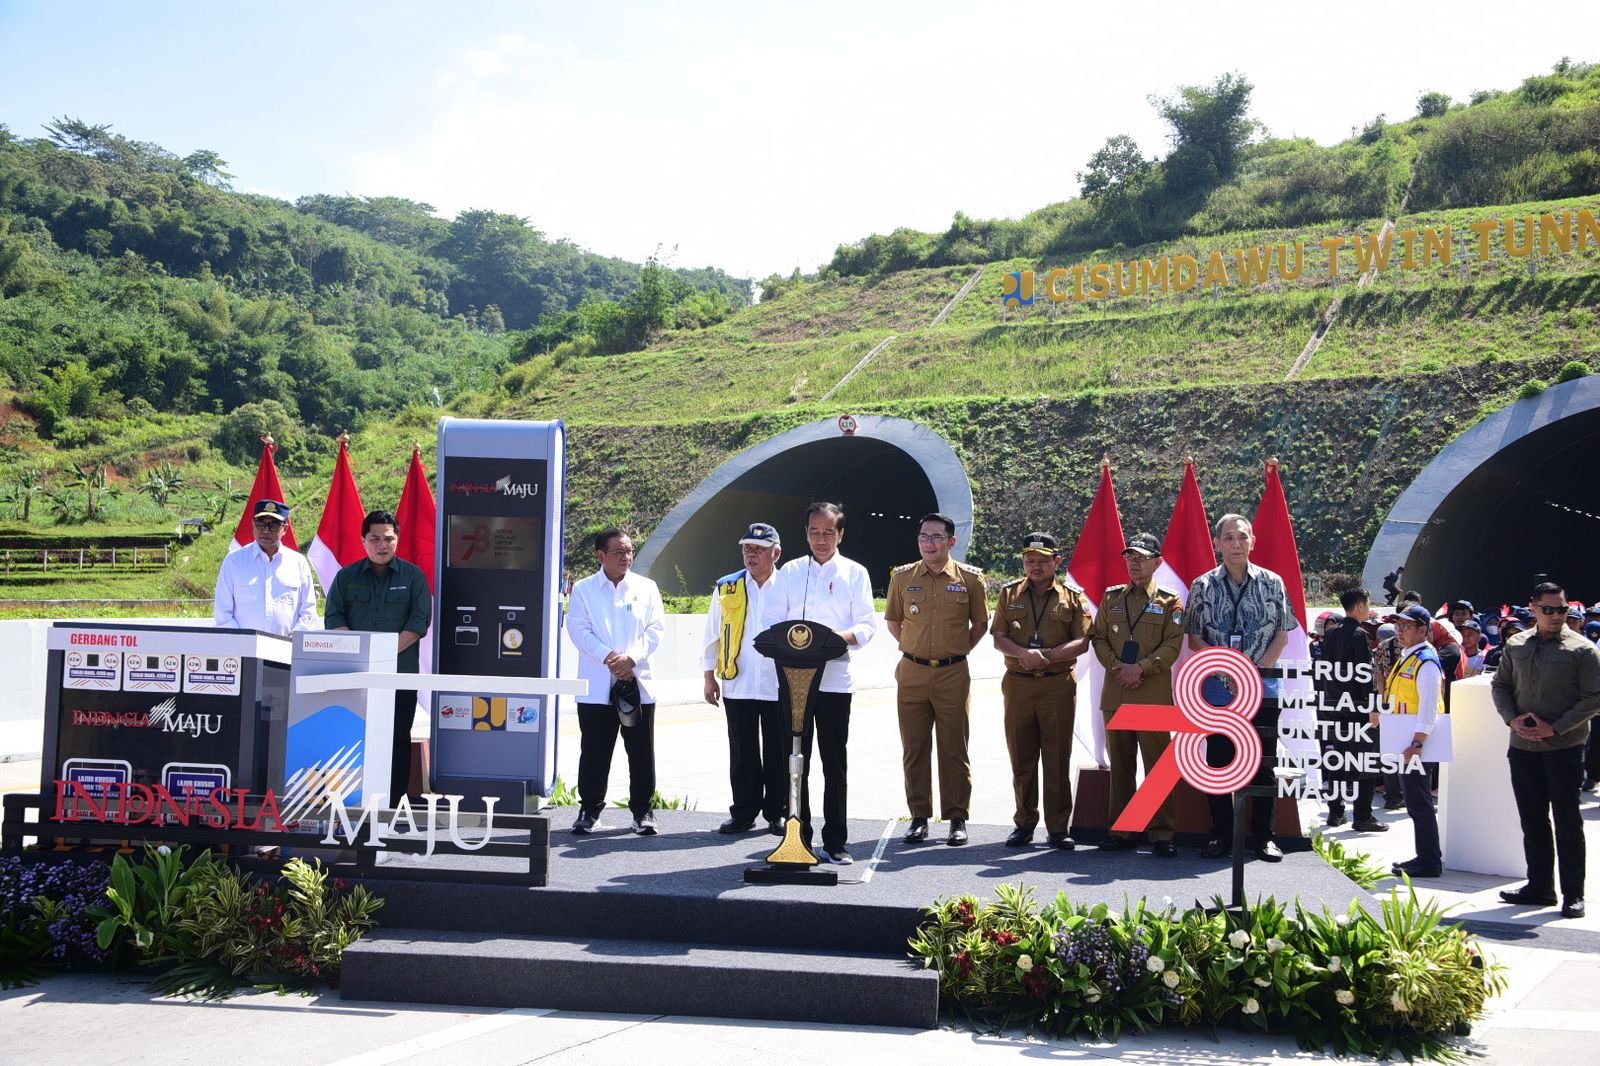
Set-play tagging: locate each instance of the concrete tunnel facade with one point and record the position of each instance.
(1513, 498)
(886, 474)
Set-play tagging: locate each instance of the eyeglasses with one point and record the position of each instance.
(619, 553)
(932, 538)
(1550, 608)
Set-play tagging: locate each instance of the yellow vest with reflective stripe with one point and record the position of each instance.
(734, 600)
(1404, 698)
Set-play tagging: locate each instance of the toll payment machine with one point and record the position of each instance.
(497, 606)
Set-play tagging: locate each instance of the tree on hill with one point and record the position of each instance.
(1210, 129)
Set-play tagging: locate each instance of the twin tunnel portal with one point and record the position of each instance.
(1513, 498)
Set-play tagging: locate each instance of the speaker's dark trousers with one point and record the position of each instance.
(1545, 785)
(758, 753)
(829, 729)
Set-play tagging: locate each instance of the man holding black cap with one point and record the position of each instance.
(266, 586)
(1137, 635)
(616, 620)
(1041, 626)
(937, 609)
(758, 733)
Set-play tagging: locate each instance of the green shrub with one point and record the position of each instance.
(1572, 371)
(1399, 982)
(210, 928)
(1531, 389)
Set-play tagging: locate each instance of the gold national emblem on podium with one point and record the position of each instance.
(799, 637)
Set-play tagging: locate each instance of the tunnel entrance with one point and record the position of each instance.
(1512, 498)
(885, 475)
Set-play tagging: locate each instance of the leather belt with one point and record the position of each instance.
(933, 662)
(1024, 673)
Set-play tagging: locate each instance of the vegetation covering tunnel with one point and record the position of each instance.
(886, 475)
(1513, 498)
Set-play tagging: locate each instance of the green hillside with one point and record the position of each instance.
(130, 363)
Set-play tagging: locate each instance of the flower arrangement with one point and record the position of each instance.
(44, 917)
(206, 927)
(1397, 982)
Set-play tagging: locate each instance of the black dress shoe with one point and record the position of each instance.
(734, 825)
(918, 831)
(1572, 907)
(1165, 848)
(1019, 838)
(958, 832)
(1268, 851)
(1414, 869)
(1528, 897)
(775, 827)
(1063, 841)
(1115, 843)
(1335, 818)
(1369, 825)
(1216, 849)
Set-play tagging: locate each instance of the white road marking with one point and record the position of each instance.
(877, 853)
(455, 1034)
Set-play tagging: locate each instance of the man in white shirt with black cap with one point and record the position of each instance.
(758, 731)
(827, 588)
(266, 586)
(615, 619)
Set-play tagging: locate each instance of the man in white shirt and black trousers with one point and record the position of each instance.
(615, 620)
(831, 590)
(266, 586)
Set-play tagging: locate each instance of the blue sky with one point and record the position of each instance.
(753, 136)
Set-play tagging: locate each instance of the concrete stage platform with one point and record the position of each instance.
(667, 923)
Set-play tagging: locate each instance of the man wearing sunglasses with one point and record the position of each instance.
(1546, 688)
(266, 586)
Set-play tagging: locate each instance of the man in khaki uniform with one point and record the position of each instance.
(1136, 635)
(937, 609)
(1041, 625)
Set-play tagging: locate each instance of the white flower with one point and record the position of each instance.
(1263, 982)
(1345, 997)
(1251, 1006)
(163, 850)
(1239, 938)
(1398, 1002)
(1274, 944)
(1341, 919)
(1155, 964)
(1024, 963)
(1166, 901)
(1170, 978)
(1335, 964)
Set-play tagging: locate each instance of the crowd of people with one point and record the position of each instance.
(1543, 658)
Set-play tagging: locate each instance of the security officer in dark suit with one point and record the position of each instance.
(1041, 625)
(937, 609)
(1137, 635)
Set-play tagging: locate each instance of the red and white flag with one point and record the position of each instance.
(418, 515)
(1096, 563)
(1187, 552)
(267, 487)
(338, 540)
